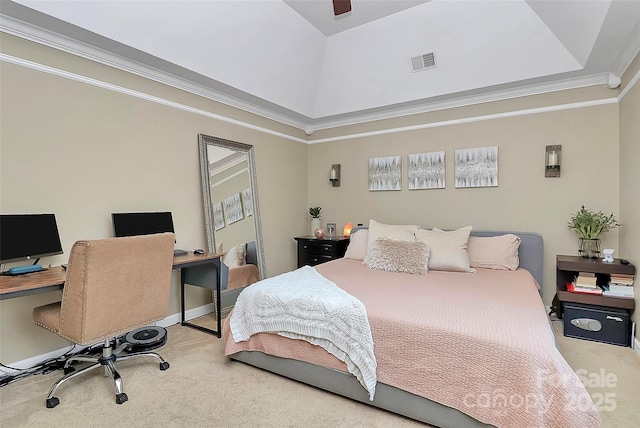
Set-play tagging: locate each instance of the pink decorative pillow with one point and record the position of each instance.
(448, 250)
(399, 256)
(357, 249)
(494, 252)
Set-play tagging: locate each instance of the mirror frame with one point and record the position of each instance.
(203, 142)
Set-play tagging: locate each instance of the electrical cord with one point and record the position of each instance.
(44, 367)
(49, 365)
(4, 367)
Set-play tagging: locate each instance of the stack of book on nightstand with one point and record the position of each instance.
(585, 282)
(620, 285)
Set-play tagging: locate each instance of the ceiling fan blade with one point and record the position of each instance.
(341, 6)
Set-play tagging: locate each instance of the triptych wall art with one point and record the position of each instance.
(232, 209)
(476, 167)
(426, 171)
(247, 202)
(385, 173)
(218, 217)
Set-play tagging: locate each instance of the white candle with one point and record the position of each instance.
(553, 158)
(333, 173)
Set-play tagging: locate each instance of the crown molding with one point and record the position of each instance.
(115, 88)
(151, 98)
(52, 39)
(471, 119)
(464, 101)
(46, 37)
(629, 86)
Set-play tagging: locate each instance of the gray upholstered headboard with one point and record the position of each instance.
(252, 254)
(531, 249)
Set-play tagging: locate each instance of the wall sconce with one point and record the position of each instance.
(552, 161)
(334, 177)
(346, 232)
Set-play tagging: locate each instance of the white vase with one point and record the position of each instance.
(315, 224)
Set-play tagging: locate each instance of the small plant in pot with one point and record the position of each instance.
(590, 225)
(314, 213)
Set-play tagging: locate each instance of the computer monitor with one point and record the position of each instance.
(28, 236)
(144, 223)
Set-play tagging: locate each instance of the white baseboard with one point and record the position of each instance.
(189, 314)
(166, 322)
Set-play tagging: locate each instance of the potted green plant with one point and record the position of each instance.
(590, 225)
(314, 213)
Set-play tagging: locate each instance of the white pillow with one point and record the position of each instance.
(357, 249)
(494, 252)
(399, 232)
(399, 256)
(235, 256)
(448, 249)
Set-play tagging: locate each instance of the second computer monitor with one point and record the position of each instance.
(141, 223)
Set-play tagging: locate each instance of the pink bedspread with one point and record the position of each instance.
(478, 342)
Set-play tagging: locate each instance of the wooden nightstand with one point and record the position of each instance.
(313, 251)
(590, 316)
(567, 267)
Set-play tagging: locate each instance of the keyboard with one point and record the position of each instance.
(178, 252)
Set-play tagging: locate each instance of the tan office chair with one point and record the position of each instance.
(113, 286)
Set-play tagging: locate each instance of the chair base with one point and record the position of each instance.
(107, 360)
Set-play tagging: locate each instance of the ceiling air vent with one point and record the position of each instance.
(423, 61)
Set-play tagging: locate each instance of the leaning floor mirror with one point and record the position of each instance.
(231, 212)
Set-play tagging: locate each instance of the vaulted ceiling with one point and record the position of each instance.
(295, 62)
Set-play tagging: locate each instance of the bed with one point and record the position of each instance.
(453, 349)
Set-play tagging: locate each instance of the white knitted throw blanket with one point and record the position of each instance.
(303, 304)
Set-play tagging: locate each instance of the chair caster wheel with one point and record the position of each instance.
(121, 398)
(164, 365)
(69, 369)
(52, 402)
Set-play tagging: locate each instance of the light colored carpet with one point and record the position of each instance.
(204, 389)
(601, 364)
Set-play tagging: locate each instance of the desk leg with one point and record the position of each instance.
(218, 300)
(207, 276)
(182, 280)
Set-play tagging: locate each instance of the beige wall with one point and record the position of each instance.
(84, 151)
(630, 172)
(523, 201)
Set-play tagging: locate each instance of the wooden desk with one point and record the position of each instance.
(198, 270)
(50, 279)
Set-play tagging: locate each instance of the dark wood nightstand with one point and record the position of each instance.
(313, 251)
(567, 267)
(591, 316)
